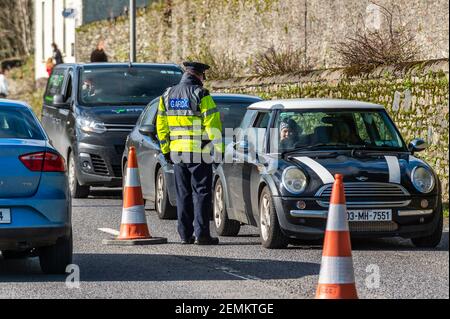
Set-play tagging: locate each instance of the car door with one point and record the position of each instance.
(250, 143)
(65, 119)
(50, 113)
(147, 151)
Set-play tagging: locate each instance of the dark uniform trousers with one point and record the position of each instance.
(194, 198)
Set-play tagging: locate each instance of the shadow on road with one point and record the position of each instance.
(138, 267)
(106, 193)
(386, 244)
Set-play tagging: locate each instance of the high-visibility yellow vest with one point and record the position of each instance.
(187, 120)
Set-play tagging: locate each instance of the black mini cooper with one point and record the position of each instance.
(278, 174)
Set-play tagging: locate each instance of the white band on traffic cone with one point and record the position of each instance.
(134, 215)
(336, 270)
(337, 218)
(132, 179)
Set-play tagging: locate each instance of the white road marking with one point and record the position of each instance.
(109, 231)
(236, 274)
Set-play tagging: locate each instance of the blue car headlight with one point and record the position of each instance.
(422, 179)
(294, 180)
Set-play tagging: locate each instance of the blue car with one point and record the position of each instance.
(35, 202)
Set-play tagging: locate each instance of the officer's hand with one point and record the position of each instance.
(168, 159)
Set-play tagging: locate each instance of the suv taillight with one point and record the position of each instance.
(43, 162)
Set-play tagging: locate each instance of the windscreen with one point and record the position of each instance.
(125, 85)
(337, 129)
(19, 124)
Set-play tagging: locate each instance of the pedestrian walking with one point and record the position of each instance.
(3, 83)
(49, 66)
(99, 55)
(57, 55)
(188, 123)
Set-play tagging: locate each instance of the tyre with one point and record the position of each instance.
(271, 235)
(434, 239)
(54, 259)
(162, 205)
(224, 226)
(76, 190)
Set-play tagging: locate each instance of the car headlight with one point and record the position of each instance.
(90, 125)
(294, 180)
(422, 179)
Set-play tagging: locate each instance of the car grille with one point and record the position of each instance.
(119, 127)
(373, 226)
(366, 190)
(99, 165)
(117, 170)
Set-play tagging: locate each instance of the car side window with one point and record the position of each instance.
(262, 120)
(54, 85)
(68, 87)
(149, 117)
(256, 135)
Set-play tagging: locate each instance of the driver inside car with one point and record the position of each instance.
(289, 133)
(88, 88)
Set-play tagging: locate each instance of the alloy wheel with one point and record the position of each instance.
(159, 192)
(218, 205)
(265, 216)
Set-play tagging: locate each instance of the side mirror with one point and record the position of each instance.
(148, 130)
(417, 145)
(58, 101)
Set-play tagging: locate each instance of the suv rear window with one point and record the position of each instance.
(20, 124)
(125, 85)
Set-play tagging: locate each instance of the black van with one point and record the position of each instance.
(89, 109)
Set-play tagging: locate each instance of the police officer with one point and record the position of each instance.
(188, 120)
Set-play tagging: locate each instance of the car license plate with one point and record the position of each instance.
(369, 215)
(5, 216)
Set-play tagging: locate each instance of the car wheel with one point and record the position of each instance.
(162, 205)
(76, 190)
(224, 226)
(271, 235)
(54, 259)
(432, 240)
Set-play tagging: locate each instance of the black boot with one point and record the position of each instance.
(207, 241)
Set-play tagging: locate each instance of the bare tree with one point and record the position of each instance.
(16, 28)
(391, 44)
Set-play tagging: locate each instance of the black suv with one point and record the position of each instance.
(88, 111)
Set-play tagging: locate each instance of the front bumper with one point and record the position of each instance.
(408, 221)
(100, 165)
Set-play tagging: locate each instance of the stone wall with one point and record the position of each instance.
(416, 96)
(174, 29)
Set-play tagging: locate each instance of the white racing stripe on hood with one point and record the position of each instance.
(394, 169)
(323, 173)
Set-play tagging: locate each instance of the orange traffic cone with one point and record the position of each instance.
(134, 229)
(337, 279)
